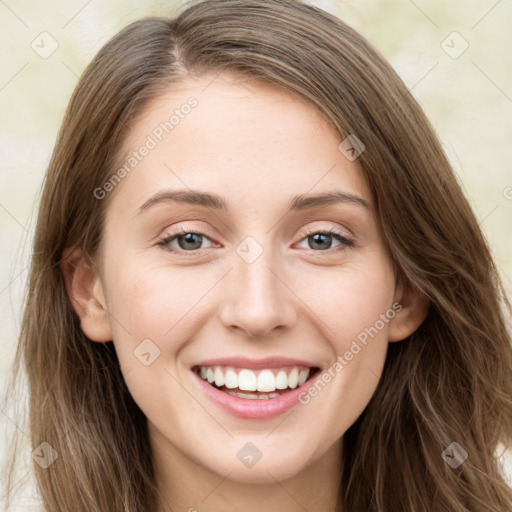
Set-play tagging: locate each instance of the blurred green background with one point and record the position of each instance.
(463, 81)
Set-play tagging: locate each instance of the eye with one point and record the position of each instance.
(322, 240)
(188, 241)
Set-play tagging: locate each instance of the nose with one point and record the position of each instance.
(259, 299)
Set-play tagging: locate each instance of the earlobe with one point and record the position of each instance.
(414, 310)
(85, 291)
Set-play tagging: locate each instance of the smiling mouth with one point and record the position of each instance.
(263, 384)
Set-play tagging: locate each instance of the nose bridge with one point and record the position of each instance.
(258, 300)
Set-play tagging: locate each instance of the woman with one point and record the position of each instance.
(337, 344)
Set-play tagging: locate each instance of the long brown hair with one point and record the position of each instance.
(450, 381)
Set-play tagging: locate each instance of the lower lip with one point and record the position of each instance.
(254, 409)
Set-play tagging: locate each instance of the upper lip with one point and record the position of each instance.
(256, 364)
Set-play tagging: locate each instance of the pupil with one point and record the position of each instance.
(190, 238)
(317, 239)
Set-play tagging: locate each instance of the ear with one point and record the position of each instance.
(414, 309)
(85, 292)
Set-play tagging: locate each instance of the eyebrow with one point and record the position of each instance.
(206, 199)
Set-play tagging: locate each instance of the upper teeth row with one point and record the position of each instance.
(247, 380)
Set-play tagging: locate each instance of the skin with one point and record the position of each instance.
(257, 147)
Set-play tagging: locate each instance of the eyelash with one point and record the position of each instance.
(342, 238)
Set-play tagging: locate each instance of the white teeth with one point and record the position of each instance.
(231, 380)
(266, 381)
(293, 378)
(253, 397)
(303, 376)
(219, 377)
(281, 380)
(245, 395)
(247, 380)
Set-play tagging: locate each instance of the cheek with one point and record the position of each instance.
(153, 310)
(355, 306)
(154, 300)
(360, 308)
(362, 322)
(349, 300)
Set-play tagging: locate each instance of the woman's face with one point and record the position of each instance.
(269, 287)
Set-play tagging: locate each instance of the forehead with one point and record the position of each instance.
(250, 139)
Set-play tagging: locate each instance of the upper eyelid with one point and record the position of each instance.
(331, 230)
(206, 232)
